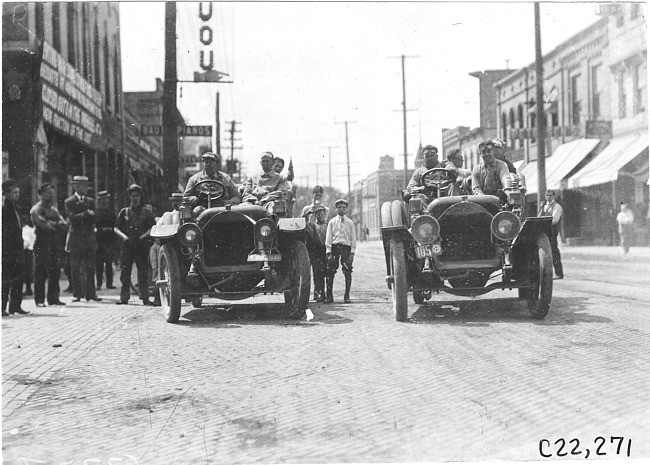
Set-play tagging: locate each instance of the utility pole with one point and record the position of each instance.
(230, 167)
(403, 58)
(218, 140)
(329, 148)
(540, 116)
(347, 151)
(170, 136)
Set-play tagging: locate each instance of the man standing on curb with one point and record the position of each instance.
(81, 241)
(13, 258)
(49, 226)
(554, 209)
(340, 242)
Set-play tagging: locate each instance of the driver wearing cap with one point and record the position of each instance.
(211, 163)
(415, 187)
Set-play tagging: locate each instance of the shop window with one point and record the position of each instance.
(520, 116)
(533, 130)
(595, 91)
(640, 86)
(512, 129)
(620, 19)
(72, 33)
(621, 95)
(576, 105)
(504, 127)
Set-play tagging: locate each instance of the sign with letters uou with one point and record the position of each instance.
(70, 103)
(203, 131)
(597, 129)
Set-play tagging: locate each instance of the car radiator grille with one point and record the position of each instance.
(466, 238)
(227, 244)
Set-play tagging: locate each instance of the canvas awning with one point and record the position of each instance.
(558, 165)
(606, 166)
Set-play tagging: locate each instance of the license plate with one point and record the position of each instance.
(428, 250)
(264, 257)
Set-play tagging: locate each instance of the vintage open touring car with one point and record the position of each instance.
(231, 252)
(466, 245)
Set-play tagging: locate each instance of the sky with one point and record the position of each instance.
(300, 70)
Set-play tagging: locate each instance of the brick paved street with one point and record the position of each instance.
(479, 381)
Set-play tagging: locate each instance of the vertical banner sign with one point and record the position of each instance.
(70, 103)
(206, 35)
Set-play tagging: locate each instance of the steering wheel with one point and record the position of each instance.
(209, 190)
(438, 181)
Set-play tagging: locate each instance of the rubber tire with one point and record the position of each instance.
(419, 297)
(197, 301)
(399, 287)
(170, 295)
(386, 218)
(298, 265)
(398, 213)
(540, 276)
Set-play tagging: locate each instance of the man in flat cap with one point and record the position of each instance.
(176, 200)
(49, 227)
(211, 166)
(13, 258)
(133, 225)
(340, 243)
(415, 187)
(105, 255)
(267, 187)
(81, 241)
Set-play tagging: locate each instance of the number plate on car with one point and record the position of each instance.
(428, 250)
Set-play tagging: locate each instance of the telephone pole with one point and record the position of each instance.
(540, 116)
(231, 169)
(347, 151)
(329, 149)
(170, 136)
(403, 58)
(218, 131)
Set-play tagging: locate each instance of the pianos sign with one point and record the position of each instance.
(185, 131)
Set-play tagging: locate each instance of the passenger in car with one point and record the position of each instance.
(211, 163)
(267, 187)
(454, 164)
(415, 188)
(500, 151)
(491, 175)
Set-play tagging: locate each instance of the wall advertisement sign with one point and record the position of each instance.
(70, 103)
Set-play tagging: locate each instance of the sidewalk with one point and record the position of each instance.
(605, 253)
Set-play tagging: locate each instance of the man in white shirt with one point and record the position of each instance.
(340, 242)
(554, 209)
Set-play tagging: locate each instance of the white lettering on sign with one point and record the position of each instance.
(205, 37)
(65, 115)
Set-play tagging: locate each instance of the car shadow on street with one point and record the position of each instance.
(483, 312)
(240, 314)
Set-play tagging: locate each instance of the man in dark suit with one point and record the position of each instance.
(105, 240)
(81, 241)
(13, 258)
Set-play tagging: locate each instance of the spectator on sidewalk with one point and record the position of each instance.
(133, 225)
(105, 240)
(340, 244)
(50, 226)
(81, 241)
(29, 236)
(554, 209)
(625, 220)
(176, 200)
(13, 257)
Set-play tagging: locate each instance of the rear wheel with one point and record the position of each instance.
(386, 218)
(398, 213)
(298, 266)
(399, 286)
(540, 277)
(197, 302)
(170, 291)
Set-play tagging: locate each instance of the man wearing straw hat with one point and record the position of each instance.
(81, 241)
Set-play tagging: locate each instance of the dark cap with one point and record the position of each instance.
(212, 155)
(45, 186)
(319, 208)
(318, 190)
(80, 180)
(343, 201)
(429, 147)
(268, 155)
(134, 188)
(8, 185)
(103, 195)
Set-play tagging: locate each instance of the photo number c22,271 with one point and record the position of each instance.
(600, 446)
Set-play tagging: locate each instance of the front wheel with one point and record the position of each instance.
(540, 277)
(170, 291)
(399, 286)
(298, 266)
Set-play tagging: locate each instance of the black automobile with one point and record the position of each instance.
(231, 252)
(466, 245)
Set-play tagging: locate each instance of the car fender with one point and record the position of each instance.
(291, 225)
(531, 227)
(162, 231)
(397, 233)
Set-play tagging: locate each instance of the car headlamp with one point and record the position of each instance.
(425, 229)
(265, 230)
(189, 235)
(505, 226)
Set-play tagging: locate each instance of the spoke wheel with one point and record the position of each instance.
(399, 287)
(298, 265)
(170, 293)
(540, 276)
